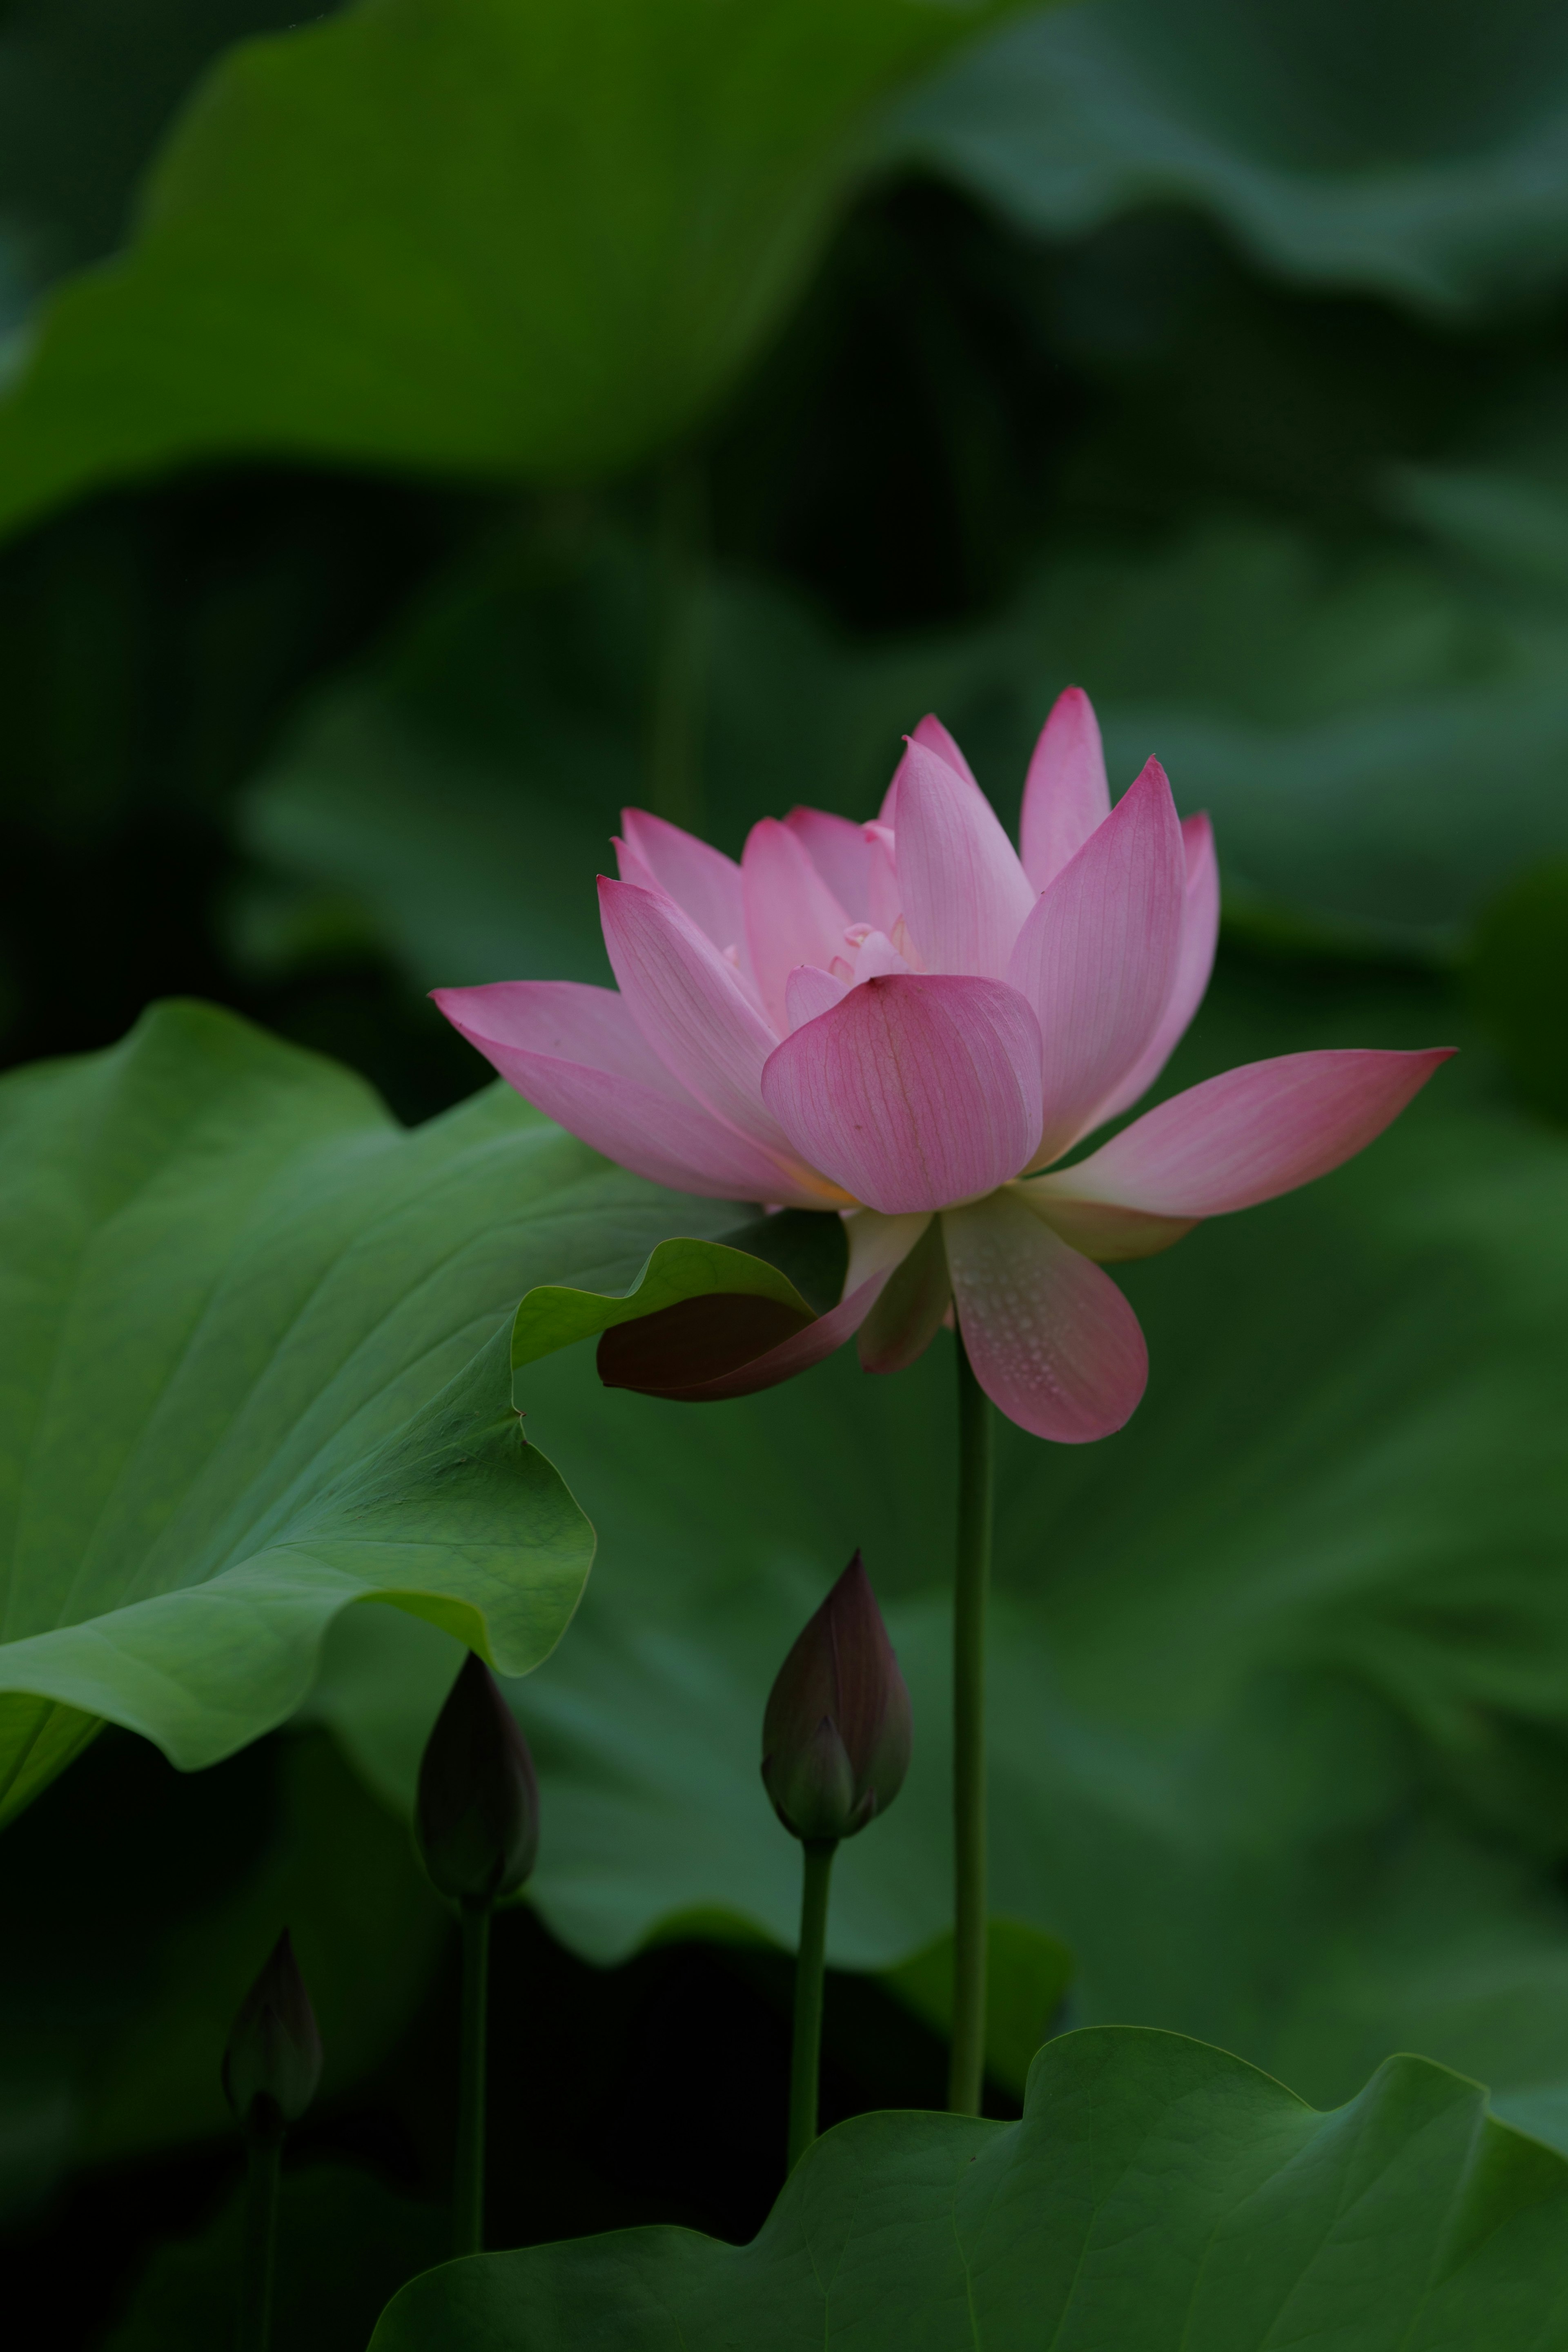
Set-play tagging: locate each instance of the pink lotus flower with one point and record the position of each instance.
(908, 1023)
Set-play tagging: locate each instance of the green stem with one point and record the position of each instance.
(468, 2172)
(805, 2054)
(263, 2150)
(975, 1448)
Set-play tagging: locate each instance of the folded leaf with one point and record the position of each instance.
(757, 1304)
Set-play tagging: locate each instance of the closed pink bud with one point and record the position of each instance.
(836, 1735)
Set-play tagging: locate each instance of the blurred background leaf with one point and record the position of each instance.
(87, 90)
(482, 237)
(1518, 982)
(1027, 1976)
(1410, 150)
(1333, 714)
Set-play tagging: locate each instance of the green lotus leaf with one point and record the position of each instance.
(85, 99)
(1155, 2192)
(476, 237)
(255, 1367)
(1373, 147)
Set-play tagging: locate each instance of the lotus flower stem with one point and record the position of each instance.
(468, 2172)
(976, 1449)
(263, 2152)
(805, 2051)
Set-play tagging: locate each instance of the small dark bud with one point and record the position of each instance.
(274, 2053)
(835, 1736)
(476, 1818)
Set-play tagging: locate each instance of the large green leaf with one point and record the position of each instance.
(1156, 2193)
(254, 1371)
(1280, 1739)
(86, 91)
(490, 237)
(1377, 146)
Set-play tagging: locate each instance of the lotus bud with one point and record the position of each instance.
(273, 2061)
(477, 1817)
(835, 1736)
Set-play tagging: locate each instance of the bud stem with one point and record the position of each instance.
(468, 2170)
(976, 1433)
(263, 2151)
(805, 2054)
